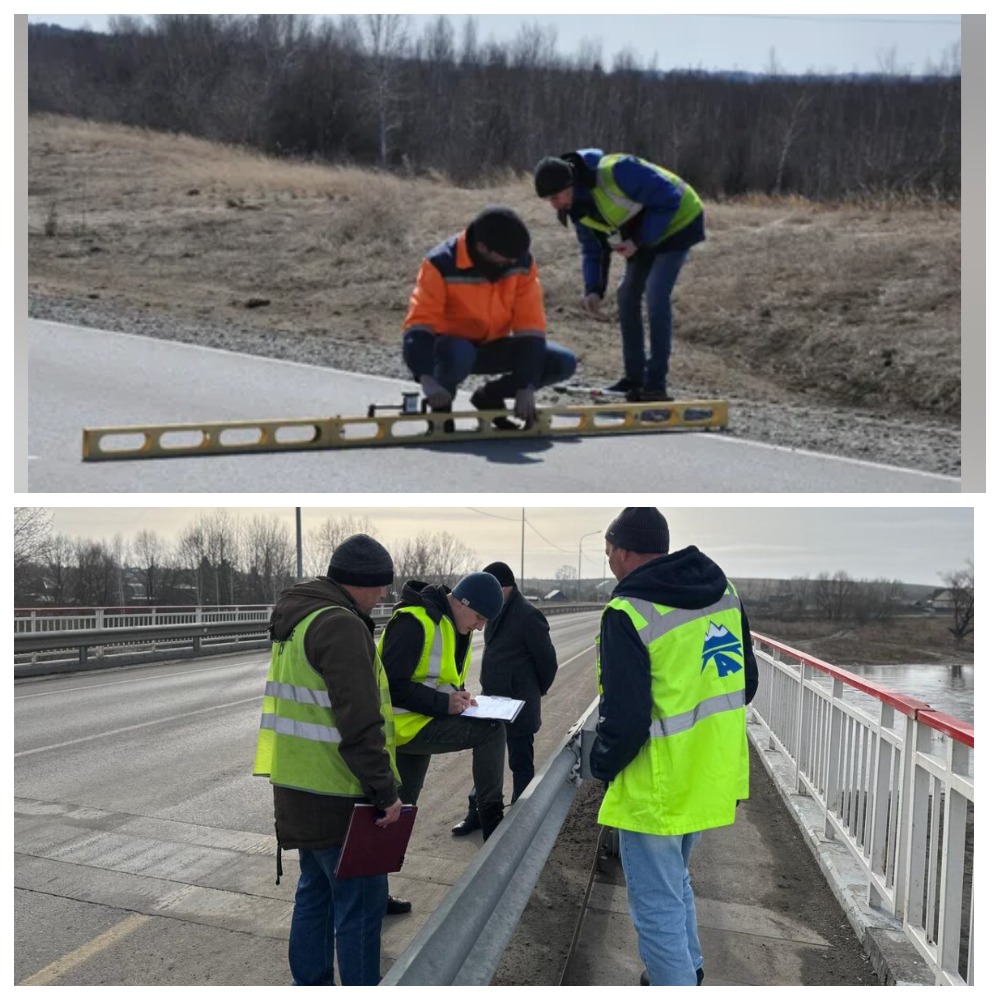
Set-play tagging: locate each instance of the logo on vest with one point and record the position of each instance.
(724, 648)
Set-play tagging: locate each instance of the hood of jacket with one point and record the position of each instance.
(432, 597)
(303, 599)
(684, 579)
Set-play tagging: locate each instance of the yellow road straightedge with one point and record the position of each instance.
(102, 444)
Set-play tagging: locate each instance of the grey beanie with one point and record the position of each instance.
(360, 561)
(639, 529)
(481, 592)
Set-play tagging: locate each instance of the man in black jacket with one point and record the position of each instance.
(519, 662)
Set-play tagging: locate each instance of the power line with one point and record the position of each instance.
(841, 19)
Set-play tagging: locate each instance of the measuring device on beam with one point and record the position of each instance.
(410, 425)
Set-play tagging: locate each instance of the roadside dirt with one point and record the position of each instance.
(830, 328)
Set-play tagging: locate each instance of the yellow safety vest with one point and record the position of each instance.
(616, 208)
(298, 744)
(694, 766)
(437, 668)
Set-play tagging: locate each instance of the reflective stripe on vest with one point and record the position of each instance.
(298, 742)
(694, 765)
(437, 668)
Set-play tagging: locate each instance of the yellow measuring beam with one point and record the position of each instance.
(102, 444)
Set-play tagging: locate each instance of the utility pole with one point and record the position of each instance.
(522, 550)
(298, 543)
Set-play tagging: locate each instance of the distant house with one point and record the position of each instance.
(555, 595)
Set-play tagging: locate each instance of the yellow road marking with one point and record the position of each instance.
(54, 972)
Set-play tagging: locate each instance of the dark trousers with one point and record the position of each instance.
(518, 360)
(485, 737)
(521, 759)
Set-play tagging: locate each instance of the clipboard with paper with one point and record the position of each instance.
(374, 850)
(490, 706)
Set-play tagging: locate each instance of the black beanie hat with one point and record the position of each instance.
(503, 573)
(481, 592)
(639, 529)
(552, 175)
(361, 562)
(501, 230)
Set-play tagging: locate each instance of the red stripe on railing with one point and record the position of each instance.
(911, 707)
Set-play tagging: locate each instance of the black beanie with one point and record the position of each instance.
(501, 230)
(481, 592)
(552, 175)
(503, 573)
(639, 529)
(360, 561)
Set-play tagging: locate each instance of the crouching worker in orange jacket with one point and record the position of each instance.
(477, 309)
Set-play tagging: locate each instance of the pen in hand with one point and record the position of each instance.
(459, 700)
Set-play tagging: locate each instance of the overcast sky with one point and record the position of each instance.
(794, 42)
(911, 544)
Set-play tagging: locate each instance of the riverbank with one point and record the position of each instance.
(899, 640)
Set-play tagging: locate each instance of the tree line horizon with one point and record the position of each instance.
(365, 91)
(222, 559)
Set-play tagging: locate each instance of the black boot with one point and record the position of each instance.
(490, 817)
(471, 822)
(644, 978)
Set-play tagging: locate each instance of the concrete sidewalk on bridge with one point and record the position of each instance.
(779, 904)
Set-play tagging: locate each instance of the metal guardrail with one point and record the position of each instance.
(895, 786)
(62, 650)
(461, 944)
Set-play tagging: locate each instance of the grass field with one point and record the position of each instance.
(855, 304)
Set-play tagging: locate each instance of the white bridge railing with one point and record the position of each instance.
(894, 780)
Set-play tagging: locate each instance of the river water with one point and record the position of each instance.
(944, 688)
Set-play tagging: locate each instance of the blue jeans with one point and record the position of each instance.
(342, 913)
(520, 360)
(661, 901)
(652, 275)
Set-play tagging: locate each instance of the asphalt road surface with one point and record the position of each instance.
(144, 848)
(79, 377)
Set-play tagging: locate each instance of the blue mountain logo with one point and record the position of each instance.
(724, 648)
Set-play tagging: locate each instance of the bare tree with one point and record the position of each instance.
(31, 529)
(268, 556)
(150, 551)
(192, 556)
(961, 591)
(58, 570)
(386, 36)
(438, 558)
(96, 574)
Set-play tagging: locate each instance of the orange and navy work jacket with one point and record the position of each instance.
(452, 296)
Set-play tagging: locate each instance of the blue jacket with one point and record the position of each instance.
(660, 198)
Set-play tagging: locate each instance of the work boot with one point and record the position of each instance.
(623, 385)
(471, 822)
(486, 399)
(648, 394)
(644, 978)
(489, 818)
(448, 426)
(395, 906)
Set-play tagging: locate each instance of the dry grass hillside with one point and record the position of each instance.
(852, 305)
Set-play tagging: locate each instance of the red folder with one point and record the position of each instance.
(374, 850)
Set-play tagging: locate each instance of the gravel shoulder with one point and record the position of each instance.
(764, 414)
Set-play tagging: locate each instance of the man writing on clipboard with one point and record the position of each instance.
(426, 648)
(327, 742)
